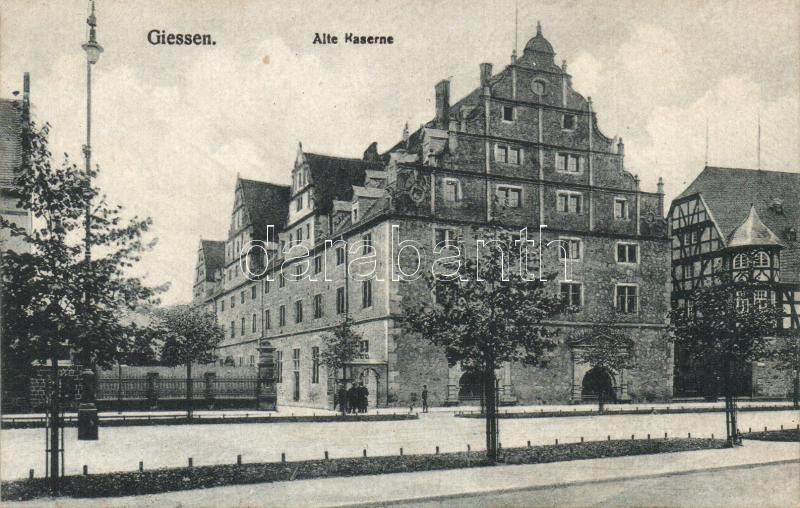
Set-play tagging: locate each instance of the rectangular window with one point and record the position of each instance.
(340, 255)
(296, 359)
(760, 297)
(627, 253)
(241, 296)
(509, 196)
(298, 311)
(341, 302)
(626, 299)
(252, 360)
(363, 349)
(569, 202)
(366, 293)
(267, 320)
(253, 292)
(314, 365)
(255, 321)
(281, 280)
(571, 248)
(446, 236)
(621, 208)
(742, 304)
(452, 190)
(299, 203)
(514, 156)
(367, 243)
(279, 366)
(233, 301)
(241, 361)
(317, 306)
(222, 306)
(508, 113)
(568, 121)
(571, 293)
(501, 153)
(300, 234)
(233, 329)
(318, 264)
(282, 315)
(266, 286)
(243, 325)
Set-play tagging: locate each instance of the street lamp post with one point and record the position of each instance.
(87, 411)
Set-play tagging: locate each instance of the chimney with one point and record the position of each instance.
(660, 186)
(26, 96)
(486, 73)
(621, 147)
(442, 103)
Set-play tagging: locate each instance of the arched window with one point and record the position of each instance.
(740, 261)
(761, 260)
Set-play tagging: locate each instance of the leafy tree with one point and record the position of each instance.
(786, 355)
(341, 348)
(191, 335)
(55, 303)
(603, 346)
(724, 330)
(488, 314)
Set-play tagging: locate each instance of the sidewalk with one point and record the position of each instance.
(429, 486)
(306, 411)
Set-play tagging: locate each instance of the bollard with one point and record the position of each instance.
(191, 462)
(365, 452)
(283, 457)
(665, 435)
(30, 474)
(581, 439)
(85, 469)
(141, 466)
(529, 443)
(556, 441)
(326, 454)
(239, 460)
(632, 437)
(437, 450)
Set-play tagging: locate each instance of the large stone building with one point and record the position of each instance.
(744, 222)
(521, 150)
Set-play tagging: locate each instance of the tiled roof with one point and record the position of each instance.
(333, 178)
(266, 204)
(213, 255)
(729, 193)
(10, 139)
(752, 232)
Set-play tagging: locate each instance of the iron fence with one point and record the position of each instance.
(156, 387)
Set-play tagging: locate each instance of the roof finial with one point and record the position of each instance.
(538, 28)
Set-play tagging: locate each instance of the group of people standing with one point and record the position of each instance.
(354, 399)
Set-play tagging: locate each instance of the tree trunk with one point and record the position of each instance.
(490, 391)
(55, 422)
(189, 389)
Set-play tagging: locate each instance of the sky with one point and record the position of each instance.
(173, 126)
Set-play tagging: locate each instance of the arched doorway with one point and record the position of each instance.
(470, 388)
(370, 379)
(596, 383)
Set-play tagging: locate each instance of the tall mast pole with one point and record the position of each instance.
(87, 410)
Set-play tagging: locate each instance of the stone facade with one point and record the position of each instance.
(522, 150)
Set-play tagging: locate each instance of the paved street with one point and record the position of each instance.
(762, 486)
(121, 448)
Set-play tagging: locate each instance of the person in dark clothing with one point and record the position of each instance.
(363, 394)
(343, 398)
(352, 398)
(424, 398)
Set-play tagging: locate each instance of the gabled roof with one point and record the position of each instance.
(266, 204)
(333, 178)
(11, 126)
(730, 192)
(752, 232)
(213, 256)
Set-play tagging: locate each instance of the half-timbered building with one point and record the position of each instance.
(743, 222)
